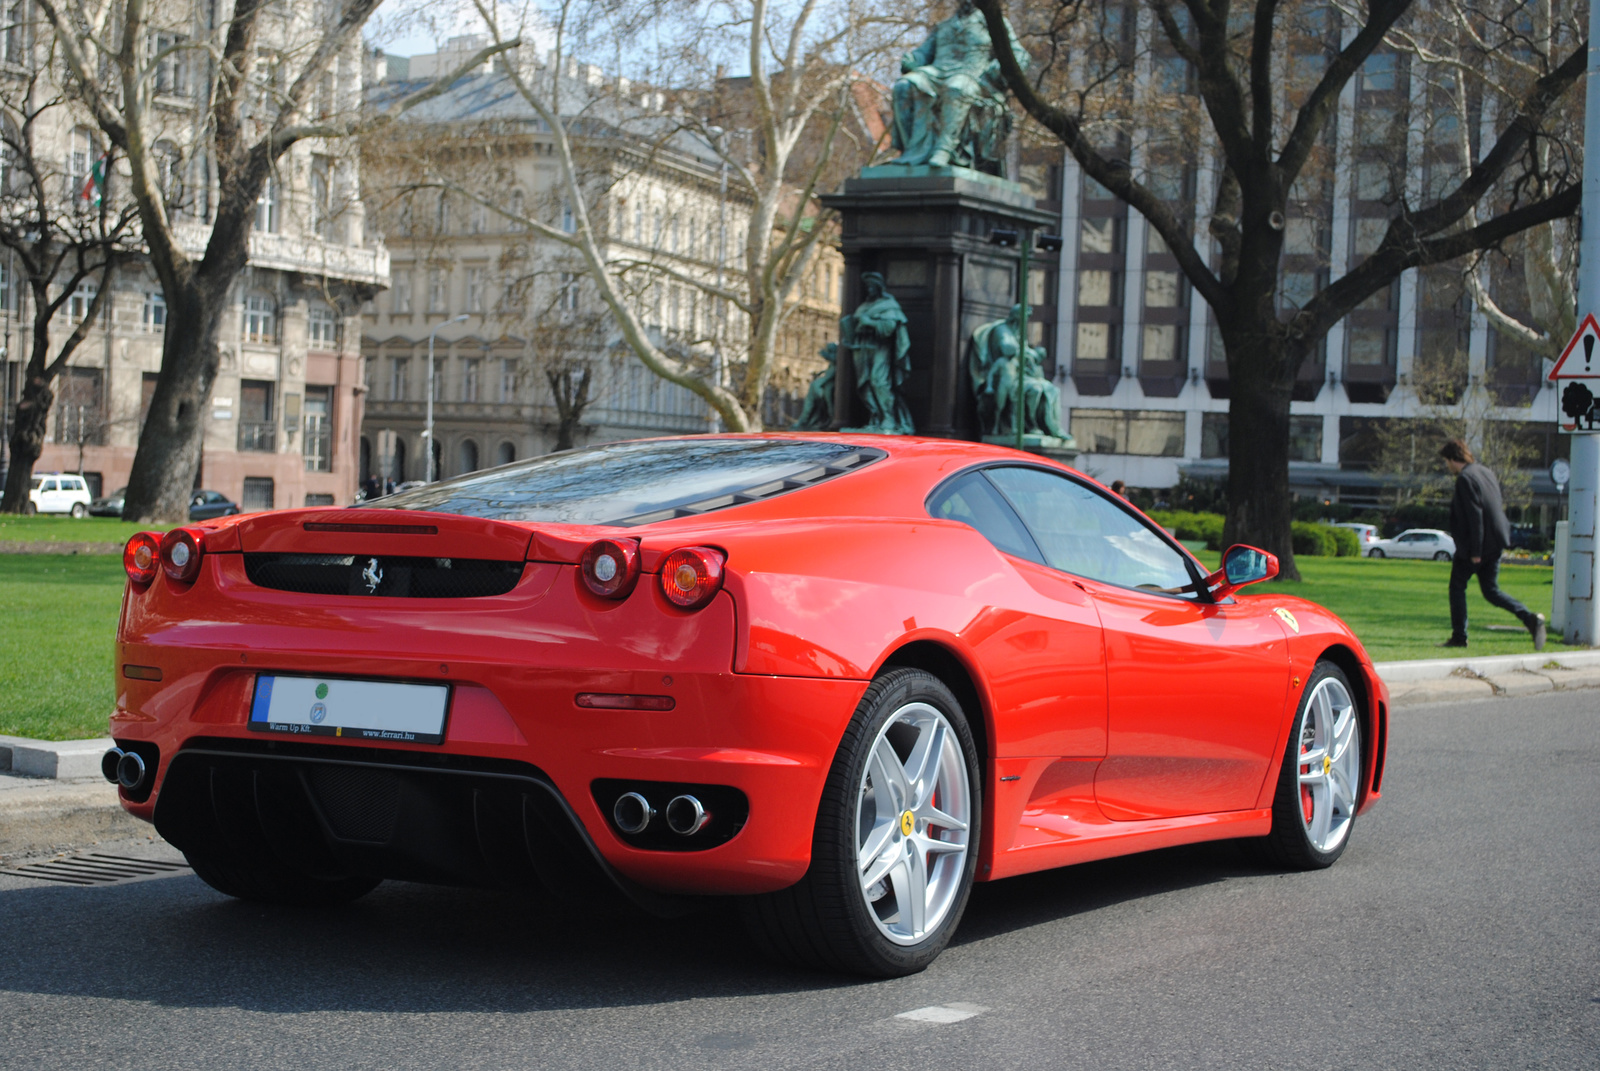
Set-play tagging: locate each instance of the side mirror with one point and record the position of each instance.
(1241, 565)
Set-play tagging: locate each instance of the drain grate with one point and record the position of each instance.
(95, 869)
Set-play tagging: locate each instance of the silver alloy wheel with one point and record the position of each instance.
(1329, 765)
(913, 809)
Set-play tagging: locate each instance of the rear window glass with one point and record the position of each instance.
(636, 482)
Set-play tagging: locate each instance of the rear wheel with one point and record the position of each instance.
(1375, 552)
(79, 510)
(256, 878)
(30, 509)
(896, 839)
(1442, 556)
(1320, 783)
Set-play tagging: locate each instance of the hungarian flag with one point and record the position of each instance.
(94, 183)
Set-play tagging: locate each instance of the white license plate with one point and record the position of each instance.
(353, 709)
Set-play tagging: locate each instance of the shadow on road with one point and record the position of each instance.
(417, 948)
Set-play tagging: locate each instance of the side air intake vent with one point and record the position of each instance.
(361, 574)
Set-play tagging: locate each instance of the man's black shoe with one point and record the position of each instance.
(1538, 630)
(1454, 641)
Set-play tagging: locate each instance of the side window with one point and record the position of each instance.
(1082, 532)
(973, 500)
(49, 485)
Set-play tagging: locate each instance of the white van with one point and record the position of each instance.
(55, 492)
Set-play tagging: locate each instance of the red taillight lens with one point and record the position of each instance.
(142, 557)
(610, 568)
(181, 551)
(690, 576)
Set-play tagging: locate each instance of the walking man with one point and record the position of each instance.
(1479, 526)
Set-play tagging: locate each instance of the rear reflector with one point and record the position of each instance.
(142, 557)
(142, 673)
(373, 529)
(608, 701)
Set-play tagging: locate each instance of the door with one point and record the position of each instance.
(1043, 651)
(50, 497)
(1196, 691)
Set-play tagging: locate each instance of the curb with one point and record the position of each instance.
(1486, 666)
(41, 547)
(60, 760)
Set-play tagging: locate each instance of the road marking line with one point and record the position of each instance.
(954, 1012)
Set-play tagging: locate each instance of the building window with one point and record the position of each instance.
(569, 221)
(16, 34)
(258, 494)
(1305, 438)
(166, 50)
(322, 327)
(80, 160)
(322, 208)
(397, 378)
(1095, 342)
(78, 304)
(256, 427)
(317, 441)
(474, 289)
(508, 380)
(506, 454)
(1369, 346)
(260, 319)
(568, 298)
(1161, 343)
(78, 408)
(267, 207)
(471, 370)
(467, 457)
(1097, 288)
(1142, 432)
(154, 317)
(477, 220)
(400, 297)
(1213, 435)
(436, 290)
(318, 500)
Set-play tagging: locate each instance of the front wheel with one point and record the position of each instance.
(1442, 556)
(1320, 783)
(896, 839)
(1375, 552)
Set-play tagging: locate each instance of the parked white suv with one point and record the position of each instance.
(56, 492)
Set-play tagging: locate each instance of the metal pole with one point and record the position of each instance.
(427, 431)
(1022, 343)
(1583, 610)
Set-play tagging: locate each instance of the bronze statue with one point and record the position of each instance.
(817, 413)
(950, 101)
(992, 364)
(880, 348)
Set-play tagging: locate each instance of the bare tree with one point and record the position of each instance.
(777, 139)
(66, 234)
(261, 87)
(1259, 87)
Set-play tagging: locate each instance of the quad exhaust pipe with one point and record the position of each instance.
(125, 768)
(684, 814)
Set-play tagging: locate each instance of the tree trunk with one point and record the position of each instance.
(1259, 388)
(27, 441)
(571, 401)
(170, 441)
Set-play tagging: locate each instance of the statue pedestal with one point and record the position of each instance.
(927, 231)
(1062, 450)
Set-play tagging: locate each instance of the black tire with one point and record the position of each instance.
(825, 921)
(1375, 552)
(1442, 556)
(1290, 843)
(270, 882)
(30, 509)
(79, 511)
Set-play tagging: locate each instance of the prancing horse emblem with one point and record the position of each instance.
(372, 575)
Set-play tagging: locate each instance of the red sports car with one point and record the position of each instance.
(840, 677)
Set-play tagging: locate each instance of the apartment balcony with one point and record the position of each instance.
(301, 253)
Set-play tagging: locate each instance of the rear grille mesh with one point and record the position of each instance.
(360, 574)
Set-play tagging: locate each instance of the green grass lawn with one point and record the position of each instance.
(58, 618)
(43, 529)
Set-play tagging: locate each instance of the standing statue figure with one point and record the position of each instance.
(817, 413)
(880, 348)
(993, 366)
(950, 101)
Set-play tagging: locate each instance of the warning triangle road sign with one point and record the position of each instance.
(1581, 358)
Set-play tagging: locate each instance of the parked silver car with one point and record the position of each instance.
(1416, 543)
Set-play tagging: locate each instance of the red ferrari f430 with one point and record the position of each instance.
(840, 678)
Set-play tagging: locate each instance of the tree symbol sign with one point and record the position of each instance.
(1578, 403)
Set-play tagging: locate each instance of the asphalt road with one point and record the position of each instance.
(1460, 930)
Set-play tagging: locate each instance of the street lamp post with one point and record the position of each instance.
(1006, 238)
(427, 431)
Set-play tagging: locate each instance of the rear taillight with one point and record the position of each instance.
(181, 551)
(690, 576)
(142, 557)
(610, 568)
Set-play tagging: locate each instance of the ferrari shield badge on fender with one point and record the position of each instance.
(1287, 618)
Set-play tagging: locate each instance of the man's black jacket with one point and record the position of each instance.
(1477, 517)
